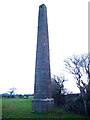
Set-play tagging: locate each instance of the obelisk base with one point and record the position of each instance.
(42, 105)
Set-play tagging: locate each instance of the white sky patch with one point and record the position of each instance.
(68, 35)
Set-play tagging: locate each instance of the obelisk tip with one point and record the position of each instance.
(42, 5)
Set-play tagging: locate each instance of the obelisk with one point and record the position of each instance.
(42, 101)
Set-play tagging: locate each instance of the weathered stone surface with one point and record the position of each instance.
(42, 101)
(42, 105)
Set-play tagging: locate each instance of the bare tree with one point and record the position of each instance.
(79, 66)
(58, 83)
(12, 90)
(58, 90)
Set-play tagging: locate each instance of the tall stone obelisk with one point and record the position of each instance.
(42, 101)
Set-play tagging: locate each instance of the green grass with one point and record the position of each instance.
(21, 108)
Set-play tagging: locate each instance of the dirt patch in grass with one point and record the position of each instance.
(8, 107)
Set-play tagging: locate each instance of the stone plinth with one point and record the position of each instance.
(42, 105)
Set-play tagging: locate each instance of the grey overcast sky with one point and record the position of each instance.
(68, 35)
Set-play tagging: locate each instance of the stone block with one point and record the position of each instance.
(42, 105)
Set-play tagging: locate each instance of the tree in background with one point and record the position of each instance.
(79, 67)
(58, 90)
(11, 91)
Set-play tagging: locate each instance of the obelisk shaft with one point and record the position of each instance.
(42, 69)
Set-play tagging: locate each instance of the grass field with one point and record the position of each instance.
(21, 108)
